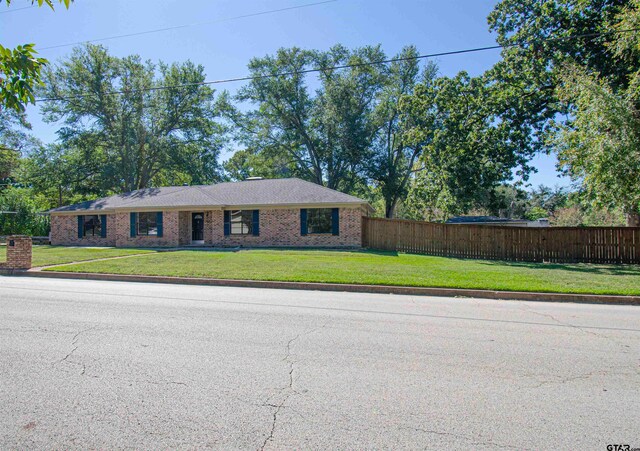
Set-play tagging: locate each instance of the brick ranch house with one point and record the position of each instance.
(255, 212)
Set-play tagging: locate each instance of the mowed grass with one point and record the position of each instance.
(55, 255)
(375, 268)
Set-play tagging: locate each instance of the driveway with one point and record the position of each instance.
(89, 364)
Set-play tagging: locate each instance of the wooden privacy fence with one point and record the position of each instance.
(531, 244)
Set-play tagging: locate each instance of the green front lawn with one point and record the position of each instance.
(55, 255)
(375, 268)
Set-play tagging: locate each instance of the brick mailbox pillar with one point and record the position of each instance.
(18, 252)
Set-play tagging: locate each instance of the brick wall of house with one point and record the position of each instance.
(281, 227)
(18, 252)
(64, 231)
(209, 227)
(278, 227)
(184, 225)
(169, 238)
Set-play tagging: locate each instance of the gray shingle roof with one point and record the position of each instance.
(266, 192)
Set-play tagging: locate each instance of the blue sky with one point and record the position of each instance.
(224, 45)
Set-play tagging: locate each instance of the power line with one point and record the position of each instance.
(177, 27)
(280, 74)
(13, 10)
(343, 66)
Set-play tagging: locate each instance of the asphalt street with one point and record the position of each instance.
(89, 364)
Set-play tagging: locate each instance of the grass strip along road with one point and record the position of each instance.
(369, 267)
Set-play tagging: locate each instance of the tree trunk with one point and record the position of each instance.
(390, 208)
(633, 217)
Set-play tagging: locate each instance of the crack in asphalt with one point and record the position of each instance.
(530, 309)
(166, 383)
(573, 326)
(41, 329)
(289, 388)
(472, 440)
(66, 356)
(273, 423)
(74, 343)
(566, 380)
(585, 376)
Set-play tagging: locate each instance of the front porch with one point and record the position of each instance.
(192, 228)
(266, 227)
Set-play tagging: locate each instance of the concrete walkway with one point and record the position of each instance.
(40, 268)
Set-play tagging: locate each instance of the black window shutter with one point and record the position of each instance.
(159, 223)
(256, 222)
(335, 221)
(303, 221)
(80, 226)
(227, 222)
(132, 225)
(103, 226)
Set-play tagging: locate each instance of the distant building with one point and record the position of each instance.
(493, 220)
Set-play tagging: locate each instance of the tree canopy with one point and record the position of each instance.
(571, 70)
(467, 147)
(125, 133)
(600, 146)
(415, 143)
(393, 156)
(324, 136)
(21, 70)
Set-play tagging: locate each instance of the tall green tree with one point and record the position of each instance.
(325, 134)
(393, 155)
(600, 148)
(134, 124)
(570, 70)
(467, 147)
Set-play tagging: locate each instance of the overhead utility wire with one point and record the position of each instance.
(177, 27)
(12, 10)
(343, 66)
